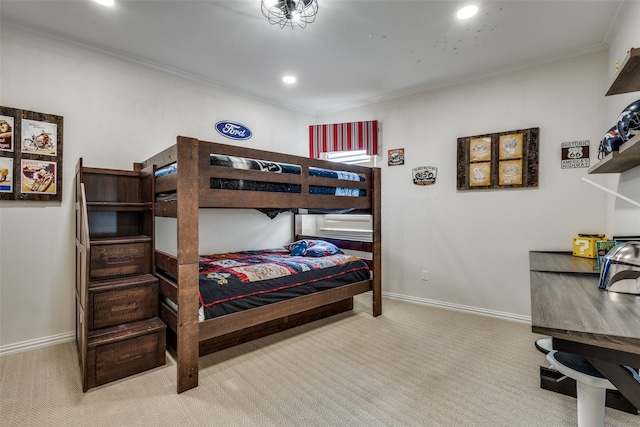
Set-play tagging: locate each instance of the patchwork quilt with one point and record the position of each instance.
(235, 281)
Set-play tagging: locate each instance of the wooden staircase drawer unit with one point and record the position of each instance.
(122, 352)
(119, 259)
(122, 304)
(118, 331)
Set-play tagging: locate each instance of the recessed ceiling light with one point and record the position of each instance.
(467, 12)
(105, 2)
(289, 80)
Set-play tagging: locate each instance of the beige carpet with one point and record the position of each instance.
(413, 366)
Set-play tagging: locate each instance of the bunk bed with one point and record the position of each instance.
(194, 174)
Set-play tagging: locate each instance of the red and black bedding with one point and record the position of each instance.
(274, 167)
(237, 281)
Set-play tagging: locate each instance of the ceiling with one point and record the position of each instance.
(356, 52)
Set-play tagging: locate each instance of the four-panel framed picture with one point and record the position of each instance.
(498, 160)
(30, 155)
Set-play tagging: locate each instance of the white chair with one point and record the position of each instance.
(590, 384)
(544, 345)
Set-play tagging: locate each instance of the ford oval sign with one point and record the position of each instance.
(233, 130)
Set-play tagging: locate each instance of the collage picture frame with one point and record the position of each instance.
(498, 160)
(31, 146)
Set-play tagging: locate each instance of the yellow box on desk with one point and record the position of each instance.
(584, 245)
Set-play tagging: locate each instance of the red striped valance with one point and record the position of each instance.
(343, 137)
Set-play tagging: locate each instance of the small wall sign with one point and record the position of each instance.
(396, 157)
(424, 175)
(233, 130)
(575, 154)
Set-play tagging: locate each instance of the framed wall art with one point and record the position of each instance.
(30, 155)
(498, 160)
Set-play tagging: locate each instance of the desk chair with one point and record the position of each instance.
(544, 345)
(591, 386)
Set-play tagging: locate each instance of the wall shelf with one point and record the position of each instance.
(619, 161)
(627, 78)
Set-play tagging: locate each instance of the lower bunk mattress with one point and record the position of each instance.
(233, 282)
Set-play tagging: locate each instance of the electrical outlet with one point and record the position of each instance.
(425, 274)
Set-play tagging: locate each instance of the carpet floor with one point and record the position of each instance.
(412, 366)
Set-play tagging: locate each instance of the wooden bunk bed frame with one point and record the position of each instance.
(192, 338)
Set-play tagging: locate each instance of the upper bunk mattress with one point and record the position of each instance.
(238, 281)
(272, 167)
(261, 165)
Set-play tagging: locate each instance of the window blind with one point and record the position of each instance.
(343, 137)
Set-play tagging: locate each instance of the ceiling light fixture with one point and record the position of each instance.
(288, 13)
(289, 80)
(105, 2)
(467, 12)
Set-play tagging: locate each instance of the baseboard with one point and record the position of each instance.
(462, 308)
(6, 350)
(70, 336)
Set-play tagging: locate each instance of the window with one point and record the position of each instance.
(357, 157)
(356, 227)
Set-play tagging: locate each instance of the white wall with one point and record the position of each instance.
(115, 113)
(475, 244)
(229, 231)
(624, 218)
